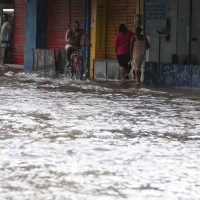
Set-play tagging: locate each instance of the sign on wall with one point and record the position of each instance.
(155, 11)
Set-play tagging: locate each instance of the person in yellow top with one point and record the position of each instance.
(5, 35)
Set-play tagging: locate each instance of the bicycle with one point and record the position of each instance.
(76, 63)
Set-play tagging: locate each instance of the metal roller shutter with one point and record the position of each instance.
(19, 31)
(58, 20)
(60, 15)
(122, 11)
(77, 11)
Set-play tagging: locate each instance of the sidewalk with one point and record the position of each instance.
(11, 67)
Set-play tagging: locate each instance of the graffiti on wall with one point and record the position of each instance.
(174, 75)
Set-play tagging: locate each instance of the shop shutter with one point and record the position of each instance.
(57, 22)
(122, 11)
(77, 11)
(60, 15)
(19, 31)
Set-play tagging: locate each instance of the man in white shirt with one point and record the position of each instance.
(4, 37)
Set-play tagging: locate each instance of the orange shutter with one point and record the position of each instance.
(122, 11)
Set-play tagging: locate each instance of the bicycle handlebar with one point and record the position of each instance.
(86, 45)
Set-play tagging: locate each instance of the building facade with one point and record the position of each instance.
(171, 26)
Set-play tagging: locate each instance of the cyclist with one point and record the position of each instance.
(75, 37)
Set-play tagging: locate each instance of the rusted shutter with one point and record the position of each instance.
(122, 11)
(60, 14)
(77, 11)
(19, 31)
(57, 22)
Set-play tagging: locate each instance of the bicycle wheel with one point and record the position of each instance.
(76, 67)
(73, 61)
(79, 69)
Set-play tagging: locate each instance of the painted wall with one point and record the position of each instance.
(177, 12)
(196, 30)
(172, 75)
(168, 46)
(98, 32)
(182, 29)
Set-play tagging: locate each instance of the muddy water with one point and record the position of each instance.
(82, 140)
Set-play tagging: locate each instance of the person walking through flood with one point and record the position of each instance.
(5, 35)
(122, 50)
(138, 46)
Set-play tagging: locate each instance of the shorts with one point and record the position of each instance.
(123, 60)
(73, 48)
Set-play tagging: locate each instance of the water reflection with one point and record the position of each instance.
(78, 140)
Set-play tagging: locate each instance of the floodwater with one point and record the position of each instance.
(64, 139)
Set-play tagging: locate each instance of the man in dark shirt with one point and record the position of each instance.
(75, 37)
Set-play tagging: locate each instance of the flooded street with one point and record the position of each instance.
(64, 139)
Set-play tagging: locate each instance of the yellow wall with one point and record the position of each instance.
(105, 19)
(118, 12)
(93, 35)
(98, 32)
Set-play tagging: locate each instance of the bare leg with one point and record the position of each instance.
(7, 55)
(137, 76)
(134, 74)
(123, 72)
(127, 70)
(2, 53)
(68, 54)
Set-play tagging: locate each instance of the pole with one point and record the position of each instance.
(87, 20)
(190, 33)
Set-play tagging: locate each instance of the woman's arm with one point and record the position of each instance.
(132, 45)
(147, 43)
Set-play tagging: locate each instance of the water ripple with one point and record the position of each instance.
(77, 140)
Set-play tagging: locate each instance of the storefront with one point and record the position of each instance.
(173, 31)
(171, 26)
(47, 22)
(105, 19)
(43, 24)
